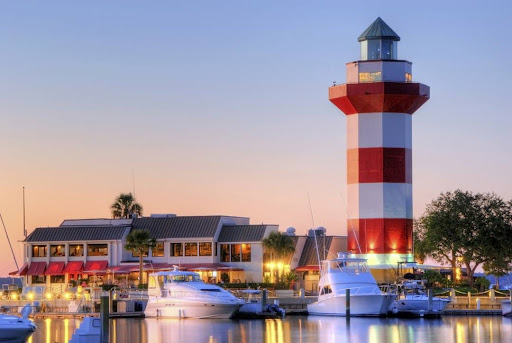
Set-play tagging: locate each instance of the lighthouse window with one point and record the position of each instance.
(408, 77)
(370, 76)
(374, 49)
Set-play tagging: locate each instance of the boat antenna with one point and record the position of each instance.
(314, 233)
(8, 240)
(351, 224)
(24, 228)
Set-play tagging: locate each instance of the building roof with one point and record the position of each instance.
(178, 227)
(76, 233)
(378, 30)
(309, 253)
(242, 233)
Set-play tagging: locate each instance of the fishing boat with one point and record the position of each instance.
(14, 328)
(342, 273)
(413, 300)
(181, 294)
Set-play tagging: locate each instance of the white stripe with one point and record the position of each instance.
(372, 130)
(380, 200)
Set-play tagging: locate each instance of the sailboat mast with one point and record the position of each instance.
(24, 228)
(314, 234)
(8, 240)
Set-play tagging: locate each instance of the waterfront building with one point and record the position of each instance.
(379, 99)
(219, 248)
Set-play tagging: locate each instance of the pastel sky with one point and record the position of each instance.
(220, 107)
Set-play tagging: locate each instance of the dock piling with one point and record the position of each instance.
(104, 313)
(347, 303)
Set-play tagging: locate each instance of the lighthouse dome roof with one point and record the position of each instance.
(378, 30)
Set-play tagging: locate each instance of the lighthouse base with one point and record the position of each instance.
(386, 268)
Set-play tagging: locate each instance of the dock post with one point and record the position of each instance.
(302, 293)
(429, 293)
(347, 303)
(453, 296)
(510, 295)
(264, 295)
(469, 300)
(105, 327)
(110, 301)
(492, 295)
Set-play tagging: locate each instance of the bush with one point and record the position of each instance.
(482, 284)
(224, 277)
(143, 286)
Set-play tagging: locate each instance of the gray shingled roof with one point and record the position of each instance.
(76, 233)
(242, 233)
(309, 256)
(178, 227)
(378, 30)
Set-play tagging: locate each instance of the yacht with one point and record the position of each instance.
(180, 294)
(413, 300)
(14, 328)
(342, 273)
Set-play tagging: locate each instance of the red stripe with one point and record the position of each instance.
(380, 235)
(396, 97)
(371, 165)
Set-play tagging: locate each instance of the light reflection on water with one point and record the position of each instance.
(299, 329)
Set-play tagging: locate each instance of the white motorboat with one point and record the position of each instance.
(413, 300)
(180, 294)
(342, 273)
(88, 332)
(506, 308)
(14, 328)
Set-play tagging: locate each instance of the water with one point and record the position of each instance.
(301, 329)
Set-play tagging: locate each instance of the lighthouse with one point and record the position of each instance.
(379, 99)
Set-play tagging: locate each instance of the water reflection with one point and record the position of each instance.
(299, 329)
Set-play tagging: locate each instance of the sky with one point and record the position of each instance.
(221, 107)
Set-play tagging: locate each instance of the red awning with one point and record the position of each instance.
(95, 267)
(73, 267)
(306, 268)
(22, 271)
(36, 268)
(55, 268)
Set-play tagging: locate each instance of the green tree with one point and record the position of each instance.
(124, 206)
(467, 229)
(139, 242)
(280, 246)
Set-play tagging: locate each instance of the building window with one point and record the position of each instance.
(246, 253)
(38, 279)
(57, 250)
(76, 250)
(158, 249)
(408, 77)
(370, 77)
(235, 252)
(39, 251)
(57, 278)
(176, 249)
(136, 254)
(205, 249)
(224, 253)
(97, 249)
(190, 249)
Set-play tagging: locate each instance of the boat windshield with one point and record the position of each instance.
(345, 266)
(179, 278)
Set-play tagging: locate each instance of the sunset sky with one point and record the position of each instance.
(220, 107)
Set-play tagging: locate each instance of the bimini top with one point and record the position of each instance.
(378, 30)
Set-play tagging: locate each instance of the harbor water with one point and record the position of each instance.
(456, 329)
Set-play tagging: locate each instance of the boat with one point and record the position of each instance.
(506, 308)
(17, 329)
(255, 306)
(413, 300)
(342, 273)
(88, 332)
(181, 294)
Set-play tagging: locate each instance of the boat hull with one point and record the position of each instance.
(506, 308)
(192, 309)
(364, 305)
(15, 331)
(418, 306)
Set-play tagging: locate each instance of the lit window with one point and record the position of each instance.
(76, 250)
(370, 77)
(235, 252)
(176, 249)
(190, 249)
(408, 77)
(224, 253)
(205, 249)
(158, 249)
(97, 249)
(39, 251)
(57, 250)
(246, 253)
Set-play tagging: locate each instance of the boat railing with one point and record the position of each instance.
(366, 290)
(193, 294)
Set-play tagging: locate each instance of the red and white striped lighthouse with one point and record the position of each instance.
(379, 99)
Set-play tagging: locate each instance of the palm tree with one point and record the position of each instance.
(124, 206)
(139, 242)
(279, 245)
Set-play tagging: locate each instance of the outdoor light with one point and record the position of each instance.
(67, 295)
(30, 295)
(14, 296)
(48, 296)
